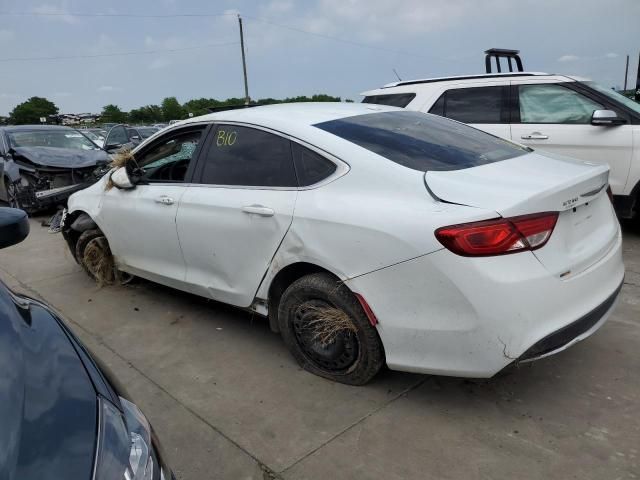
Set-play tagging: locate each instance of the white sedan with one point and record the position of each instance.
(366, 234)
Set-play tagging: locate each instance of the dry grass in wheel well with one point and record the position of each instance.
(99, 261)
(328, 322)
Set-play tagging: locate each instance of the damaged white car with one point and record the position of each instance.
(366, 234)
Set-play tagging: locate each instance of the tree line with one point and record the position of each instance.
(35, 108)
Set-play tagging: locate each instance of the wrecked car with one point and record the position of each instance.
(368, 235)
(41, 165)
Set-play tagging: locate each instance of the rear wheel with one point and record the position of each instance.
(327, 331)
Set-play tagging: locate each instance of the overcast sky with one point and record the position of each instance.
(339, 47)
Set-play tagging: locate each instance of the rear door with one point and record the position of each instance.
(233, 219)
(484, 107)
(556, 118)
(140, 223)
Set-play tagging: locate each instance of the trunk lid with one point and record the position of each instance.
(587, 226)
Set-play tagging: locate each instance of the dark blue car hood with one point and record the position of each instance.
(62, 157)
(48, 405)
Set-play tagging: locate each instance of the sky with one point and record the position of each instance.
(190, 49)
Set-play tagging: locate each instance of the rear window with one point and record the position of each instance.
(392, 99)
(421, 141)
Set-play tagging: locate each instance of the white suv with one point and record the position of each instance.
(556, 113)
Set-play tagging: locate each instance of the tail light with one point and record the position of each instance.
(499, 236)
(610, 193)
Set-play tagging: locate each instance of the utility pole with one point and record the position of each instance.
(637, 96)
(626, 74)
(244, 64)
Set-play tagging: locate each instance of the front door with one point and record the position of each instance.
(233, 218)
(555, 118)
(140, 223)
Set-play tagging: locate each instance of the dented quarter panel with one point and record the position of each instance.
(385, 216)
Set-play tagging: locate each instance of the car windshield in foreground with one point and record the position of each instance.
(51, 138)
(612, 94)
(421, 141)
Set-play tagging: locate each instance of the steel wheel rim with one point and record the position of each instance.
(336, 356)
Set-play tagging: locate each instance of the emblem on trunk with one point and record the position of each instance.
(571, 201)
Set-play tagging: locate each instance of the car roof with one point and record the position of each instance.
(31, 128)
(291, 116)
(464, 77)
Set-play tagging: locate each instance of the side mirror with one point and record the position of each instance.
(606, 118)
(120, 178)
(14, 226)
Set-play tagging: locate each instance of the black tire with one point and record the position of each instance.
(353, 354)
(95, 239)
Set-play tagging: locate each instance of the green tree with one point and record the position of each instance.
(31, 111)
(146, 114)
(112, 114)
(172, 110)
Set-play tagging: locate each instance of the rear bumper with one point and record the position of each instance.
(572, 333)
(471, 317)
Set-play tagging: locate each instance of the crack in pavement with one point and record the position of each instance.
(356, 423)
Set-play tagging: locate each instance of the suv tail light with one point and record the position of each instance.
(499, 236)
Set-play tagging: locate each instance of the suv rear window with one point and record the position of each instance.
(393, 99)
(423, 142)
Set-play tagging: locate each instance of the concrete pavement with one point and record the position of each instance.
(229, 402)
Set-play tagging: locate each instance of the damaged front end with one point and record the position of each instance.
(40, 187)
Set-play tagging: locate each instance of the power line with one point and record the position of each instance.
(336, 39)
(119, 54)
(120, 15)
(194, 15)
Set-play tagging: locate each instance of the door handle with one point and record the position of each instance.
(535, 136)
(165, 200)
(258, 210)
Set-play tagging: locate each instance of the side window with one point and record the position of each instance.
(168, 160)
(393, 100)
(551, 103)
(117, 136)
(311, 168)
(133, 133)
(249, 157)
(438, 107)
(473, 105)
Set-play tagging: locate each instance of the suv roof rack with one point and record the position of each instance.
(464, 77)
(499, 53)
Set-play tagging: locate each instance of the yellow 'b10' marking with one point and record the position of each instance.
(226, 139)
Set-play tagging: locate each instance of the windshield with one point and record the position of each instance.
(91, 135)
(51, 138)
(423, 142)
(612, 94)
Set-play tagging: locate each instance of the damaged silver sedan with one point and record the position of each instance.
(41, 165)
